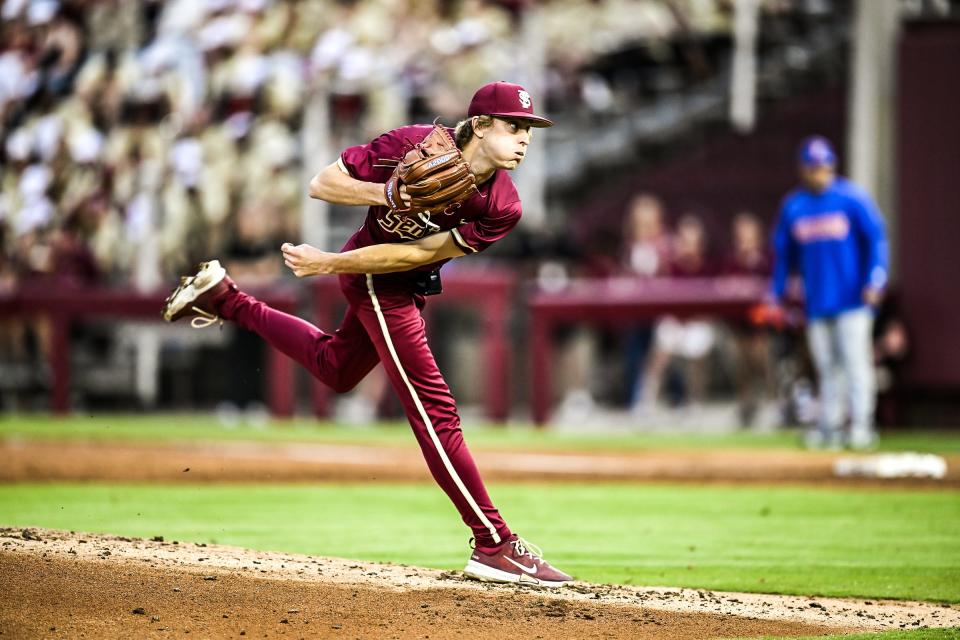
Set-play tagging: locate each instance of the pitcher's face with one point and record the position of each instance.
(506, 141)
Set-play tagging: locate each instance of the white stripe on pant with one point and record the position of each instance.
(426, 418)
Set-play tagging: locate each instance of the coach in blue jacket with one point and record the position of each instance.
(831, 233)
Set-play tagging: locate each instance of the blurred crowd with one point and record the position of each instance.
(678, 366)
(686, 253)
(138, 137)
(669, 362)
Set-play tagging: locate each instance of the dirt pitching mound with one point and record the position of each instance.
(59, 584)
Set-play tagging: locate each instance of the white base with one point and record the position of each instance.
(484, 573)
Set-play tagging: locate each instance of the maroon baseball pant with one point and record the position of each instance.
(383, 324)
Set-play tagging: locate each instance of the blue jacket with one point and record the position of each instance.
(836, 241)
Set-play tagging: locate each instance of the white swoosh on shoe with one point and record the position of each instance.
(532, 569)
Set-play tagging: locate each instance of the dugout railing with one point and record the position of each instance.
(64, 307)
(492, 294)
(622, 303)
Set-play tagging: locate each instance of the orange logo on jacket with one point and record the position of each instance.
(832, 225)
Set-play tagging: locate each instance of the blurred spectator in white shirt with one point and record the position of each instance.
(688, 340)
(647, 255)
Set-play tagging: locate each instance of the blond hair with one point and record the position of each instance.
(464, 129)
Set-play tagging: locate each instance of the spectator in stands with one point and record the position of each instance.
(647, 255)
(102, 77)
(12, 330)
(251, 254)
(169, 116)
(252, 250)
(891, 348)
(580, 375)
(831, 232)
(73, 262)
(689, 340)
(749, 257)
(648, 245)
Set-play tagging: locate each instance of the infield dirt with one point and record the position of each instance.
(32, 461)
(58, 584)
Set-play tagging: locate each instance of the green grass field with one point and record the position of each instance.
(870, 543)
(832, 542)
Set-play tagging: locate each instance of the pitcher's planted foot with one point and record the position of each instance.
(515, 561)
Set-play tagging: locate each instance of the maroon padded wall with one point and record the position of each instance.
(928, 172)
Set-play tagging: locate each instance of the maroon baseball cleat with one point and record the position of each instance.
(516, 561)
(197, 295)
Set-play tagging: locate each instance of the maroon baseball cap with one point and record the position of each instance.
(506, 100)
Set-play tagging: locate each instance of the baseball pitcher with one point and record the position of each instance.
(433, 194)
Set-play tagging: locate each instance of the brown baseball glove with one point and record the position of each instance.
(435, 175)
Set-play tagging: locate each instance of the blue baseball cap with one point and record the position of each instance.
(816, 151)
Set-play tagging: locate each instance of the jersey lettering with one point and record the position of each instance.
(404, 227)
(832, 225)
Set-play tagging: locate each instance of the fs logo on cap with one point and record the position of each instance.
(500, 99)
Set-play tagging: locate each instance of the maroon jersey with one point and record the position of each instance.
(691, 266)
(480, 220)
(758, 263)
